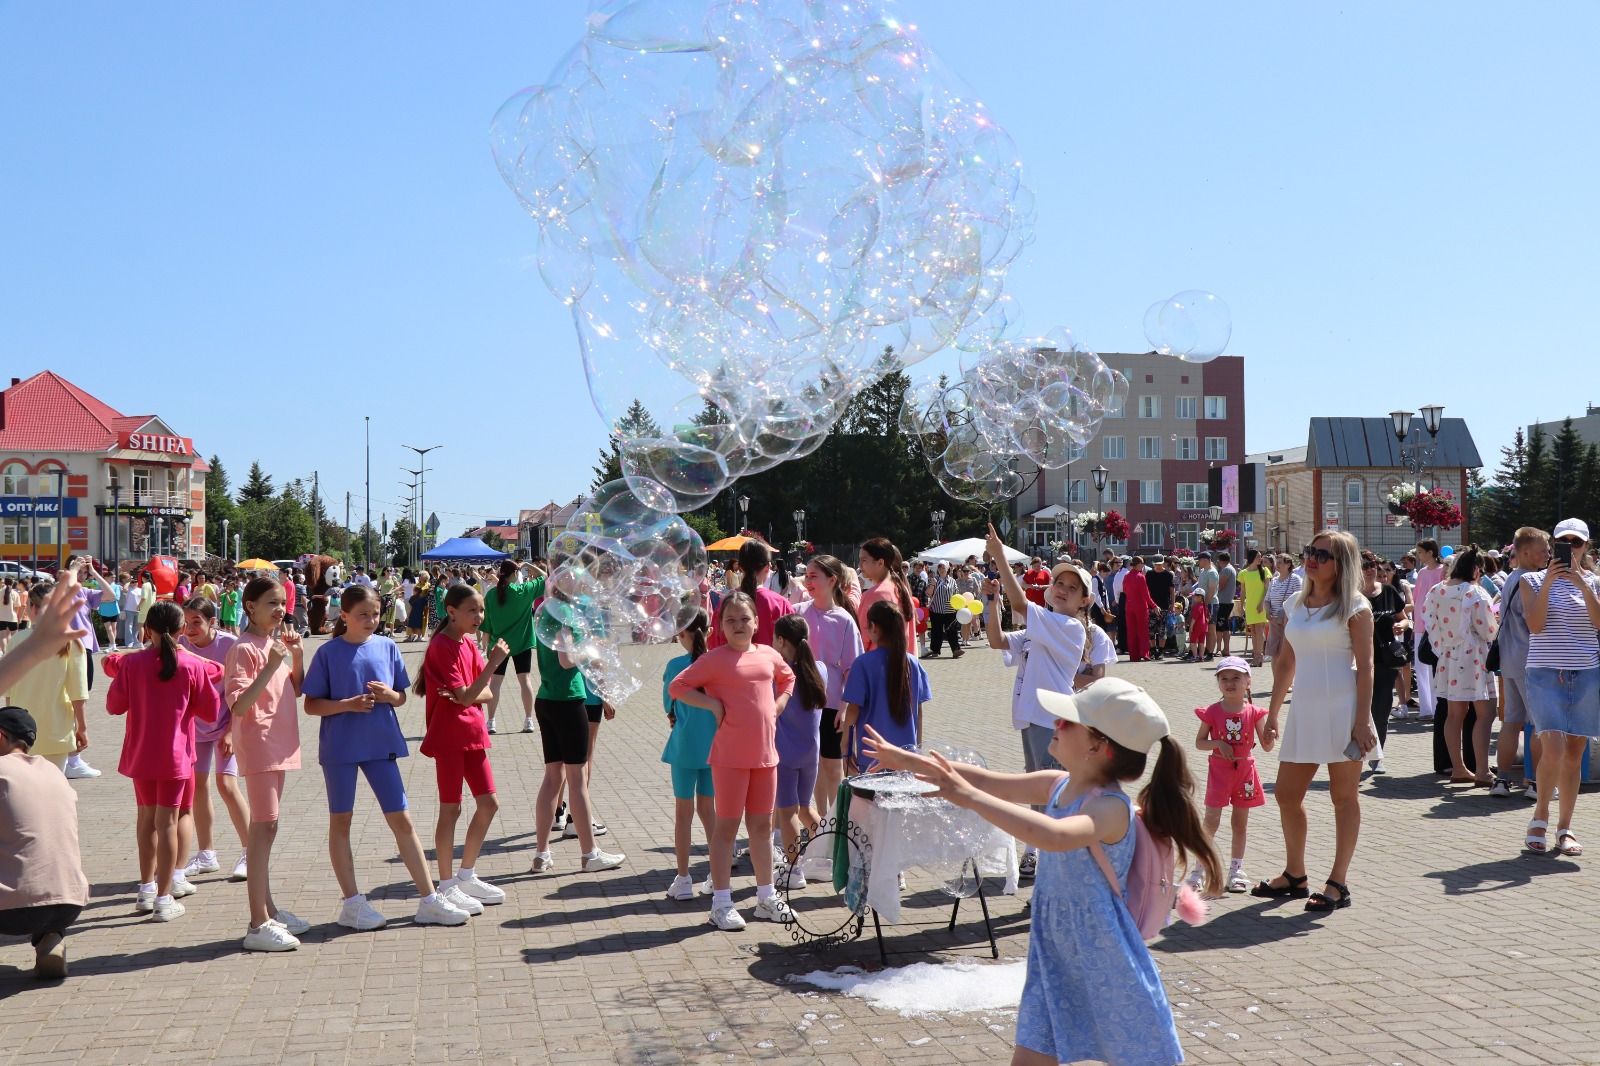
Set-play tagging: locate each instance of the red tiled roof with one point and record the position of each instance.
(49, 413)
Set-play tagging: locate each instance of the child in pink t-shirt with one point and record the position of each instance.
(261, 682)
(1199, 623)
(1229, 730)
(746, 686)
(162, 690)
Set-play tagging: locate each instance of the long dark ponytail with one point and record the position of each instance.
(165, 620)
(351, 598)
(457, 595)
(697, 627)
(883, 550)
(753, 558)
(1167, 805)
(507, 568)
(891, 627)
(807, 679)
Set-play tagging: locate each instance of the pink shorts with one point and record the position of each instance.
(265, 790)
(455, 768)
(164, 792)
(1230, 783)
(744, 790)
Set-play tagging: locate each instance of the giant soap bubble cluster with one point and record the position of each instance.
(744, 204)
(1021, 407)
(1194, 325)
(625, 572)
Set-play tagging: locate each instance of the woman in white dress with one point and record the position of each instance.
(1327, 657)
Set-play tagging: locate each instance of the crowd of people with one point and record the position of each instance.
(793, 678)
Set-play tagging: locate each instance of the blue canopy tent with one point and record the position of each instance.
(463, 550)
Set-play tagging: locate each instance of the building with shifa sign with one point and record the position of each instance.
(76, 475)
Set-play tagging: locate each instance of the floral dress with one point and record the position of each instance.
(1092, 990)
(1460, 625)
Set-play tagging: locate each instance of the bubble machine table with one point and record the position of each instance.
(890, 825)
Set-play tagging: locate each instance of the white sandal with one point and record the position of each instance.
(1573, 849)
(1537, 844)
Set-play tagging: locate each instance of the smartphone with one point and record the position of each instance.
(1561, 552)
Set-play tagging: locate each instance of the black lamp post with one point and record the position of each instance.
(800, 524)
(938, 524)
(1418, 457)
(744, 513)
(1100, 473)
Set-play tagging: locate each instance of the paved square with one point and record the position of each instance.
(1459, 948)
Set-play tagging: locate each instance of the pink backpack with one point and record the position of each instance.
(1155, 888)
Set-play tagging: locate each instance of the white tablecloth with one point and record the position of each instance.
(907, 831)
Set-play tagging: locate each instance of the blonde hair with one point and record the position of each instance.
(1347, 597)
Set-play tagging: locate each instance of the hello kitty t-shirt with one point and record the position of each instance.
(1236, 728)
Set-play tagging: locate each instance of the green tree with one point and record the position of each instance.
(1566, 456)
(1539, 504)
(219, 506)
(257, 486)
(635, 423)
(705, 525)
(275, 528)
(1586, 500)
(494, 540)
(1503, 504)
(401, 537)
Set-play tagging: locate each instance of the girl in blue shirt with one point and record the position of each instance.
(354, 684)
(688, 753)
(885, 690)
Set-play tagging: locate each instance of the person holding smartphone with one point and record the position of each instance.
(1562, 609)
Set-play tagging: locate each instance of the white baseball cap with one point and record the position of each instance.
(1571, 526)
(1115, 707)
(1083, 575)
(1234, 662)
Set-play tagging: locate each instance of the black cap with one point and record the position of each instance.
(19, 725)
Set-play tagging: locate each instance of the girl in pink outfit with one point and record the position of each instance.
(162, 690)
(261, 684)
(745, 685)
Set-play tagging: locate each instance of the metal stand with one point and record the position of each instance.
(988, 926)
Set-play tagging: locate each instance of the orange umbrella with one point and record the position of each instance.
(728, 544)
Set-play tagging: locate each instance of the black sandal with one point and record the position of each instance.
(1295, 889)
(1320, 901)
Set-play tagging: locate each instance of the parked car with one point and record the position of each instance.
(286, 565)
(18, 572)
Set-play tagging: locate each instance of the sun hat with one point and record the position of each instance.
(1083, 575)
(1234, 662)
(1575, 527)
(1114, 706)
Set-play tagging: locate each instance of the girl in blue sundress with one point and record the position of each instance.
(1092, 990)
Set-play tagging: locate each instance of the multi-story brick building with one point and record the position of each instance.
(1341, 478)
(1180, 420)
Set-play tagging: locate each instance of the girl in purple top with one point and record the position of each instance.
(797, 743)
(88, 601)
(211, 748)
(835, 641)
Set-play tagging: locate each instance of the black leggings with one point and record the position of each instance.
(36, 923)
(1382, 699)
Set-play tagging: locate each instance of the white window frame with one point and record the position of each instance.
(1216, 407)
(1149, 447)
(1186, 407)
(1354, 499)
(1150, 490)
(1217, 449)
(1272, 495)
(1150, 406)
(1114, 447)
(1187, 448)
(1186, 535)
(1077, 491)
(1113, 491)
(14, 480)
(1193, 495)
(1145, 539)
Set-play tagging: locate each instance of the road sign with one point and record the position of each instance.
(1249, 526)
(432, 524)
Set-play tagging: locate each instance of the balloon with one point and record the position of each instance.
(1446, 551)
(965, 615)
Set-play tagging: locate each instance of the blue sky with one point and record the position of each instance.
(264, 222)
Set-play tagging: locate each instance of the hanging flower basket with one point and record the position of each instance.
(1115, 526)
(1436, 508)
(1219, 539)
(1396, 508)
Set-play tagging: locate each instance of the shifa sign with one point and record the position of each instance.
(157, 442)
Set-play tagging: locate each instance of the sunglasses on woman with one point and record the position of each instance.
(1321, 555)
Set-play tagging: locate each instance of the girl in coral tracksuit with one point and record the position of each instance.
(162, 690)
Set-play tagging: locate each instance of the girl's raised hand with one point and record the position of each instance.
(277, 652)
(995, 548)
(291, 640)
(499, 652)
(953, 788)
(887, 755)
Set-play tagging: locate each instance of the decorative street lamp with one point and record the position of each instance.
(157, 524)
(1100, 473)
(224, 540)
(236, 556)
(800, 524)
(938, 524)
(744, 513)
(1418, 457)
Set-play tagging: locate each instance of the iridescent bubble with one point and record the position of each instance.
(1194, 325)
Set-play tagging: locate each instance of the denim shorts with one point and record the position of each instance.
(1564, 701)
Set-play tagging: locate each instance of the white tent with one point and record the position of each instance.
(956, 551)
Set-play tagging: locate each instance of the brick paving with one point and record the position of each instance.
(1458, 949)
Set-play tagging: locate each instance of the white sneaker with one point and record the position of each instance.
(182, 888)
(561, 819)
(297, 926)
(439, 911)
(240, 870)
(358, 914)
(204, 862)
(481, 890)
(144, 902)
(458, 899)
(792, 878)
(166, 912)
(602, 860)
(1237, 879)
(727, 918)
(543, 863)
(527, 725)
(705, 888)
(681, 888)
(270, 936)
(80, 770)
(773, 909)
(597, 828)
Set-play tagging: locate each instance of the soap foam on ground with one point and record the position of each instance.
(929, 988)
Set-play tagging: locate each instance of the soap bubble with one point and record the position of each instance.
(744, 205)
(1194, 325)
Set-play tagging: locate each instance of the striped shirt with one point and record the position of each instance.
(1568, 641)
(1278, 593)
